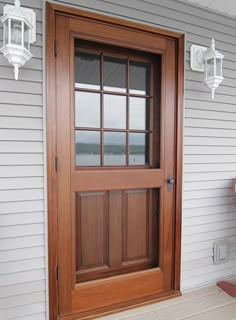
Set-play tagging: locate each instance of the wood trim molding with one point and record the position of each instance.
(51, 156)
(51, 11)
(179, 160)
(73, 12)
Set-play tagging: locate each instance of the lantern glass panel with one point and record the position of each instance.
(16, 29)
(210, 68)
(5, 32)
(26, 37)
(219, 67)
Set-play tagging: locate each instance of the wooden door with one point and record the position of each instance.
(116, 151)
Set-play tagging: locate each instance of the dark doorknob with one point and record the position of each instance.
(170, 181)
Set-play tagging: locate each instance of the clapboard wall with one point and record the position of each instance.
(22, 214)
(209, 132)
(209, 156)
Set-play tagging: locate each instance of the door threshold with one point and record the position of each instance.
(125, 306)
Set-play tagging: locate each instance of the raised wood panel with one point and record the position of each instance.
(121, 233)
(115, 228)
(136, 225)
(92, 230)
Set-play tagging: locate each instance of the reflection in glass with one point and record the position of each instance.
(210, 67)
(114, 111)
(114, 74)
(139, 78)
(114, 148)
(87, 70)
(138, 115)
(87, 109)
(138, 155)
(218, 67)
(26, 37)
(87, 148)
(5, 33)
(16, 32)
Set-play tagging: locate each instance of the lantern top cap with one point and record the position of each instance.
(16, 13)
(212, 52)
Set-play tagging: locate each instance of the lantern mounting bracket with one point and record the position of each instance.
(197, 58)
(30, 16)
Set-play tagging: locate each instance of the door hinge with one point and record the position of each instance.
(55, 48)
(56, 164)
(58, 273)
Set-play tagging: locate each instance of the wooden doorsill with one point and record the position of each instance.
(125, 306)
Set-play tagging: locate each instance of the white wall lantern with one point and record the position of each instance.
(210, 61)
(19, 31)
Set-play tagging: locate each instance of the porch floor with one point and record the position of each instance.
(210, 303)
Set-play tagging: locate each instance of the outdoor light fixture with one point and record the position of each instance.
(19, 31)
(208, 60)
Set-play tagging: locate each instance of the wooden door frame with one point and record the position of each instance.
(51, 11)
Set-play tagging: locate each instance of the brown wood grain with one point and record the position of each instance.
(75, 301)
(116, 179)
(51, 156)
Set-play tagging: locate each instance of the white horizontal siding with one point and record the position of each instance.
(210, 132)
(22, 214)
(209, 160)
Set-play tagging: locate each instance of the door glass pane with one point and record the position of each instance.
(138, 153)
(138, 113)
(139, 78)
(114, 74)
(87, 109)
(87, 70)
(114, 148)
(87, 148)
(114, 111)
